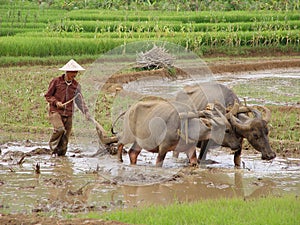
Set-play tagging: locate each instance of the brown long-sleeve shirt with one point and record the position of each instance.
(60, 91)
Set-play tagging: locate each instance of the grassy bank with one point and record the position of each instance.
(269, 210)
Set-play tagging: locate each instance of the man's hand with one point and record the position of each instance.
(59, 105)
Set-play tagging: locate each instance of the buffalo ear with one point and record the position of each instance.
(257, 114)
(267, 115)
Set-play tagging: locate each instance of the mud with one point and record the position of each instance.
(33, 219)
(237, 66)
(76, 184)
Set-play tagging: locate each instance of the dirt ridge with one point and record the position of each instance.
(252, 65)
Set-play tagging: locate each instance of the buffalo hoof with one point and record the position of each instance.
(207, 162)
(193, 164)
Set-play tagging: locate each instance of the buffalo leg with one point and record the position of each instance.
(162, 152)
(203, 150)
(134, 152)
(192, 156)
(119, 153)
(175, 154)
(160, 159)
(237, 158)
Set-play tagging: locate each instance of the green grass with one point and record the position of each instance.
(285, 123)
(279, 90)
(11, 61)
(269, 210)
(22, 93)
(161, 25)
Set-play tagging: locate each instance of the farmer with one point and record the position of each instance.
(63, 91)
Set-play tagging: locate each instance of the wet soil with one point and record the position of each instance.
(70, 194)
(234, 66)
(217, 67)
(18, 219)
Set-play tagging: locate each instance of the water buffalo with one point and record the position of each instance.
(254, 129)
(159, 126)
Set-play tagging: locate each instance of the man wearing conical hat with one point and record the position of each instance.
(63, 92)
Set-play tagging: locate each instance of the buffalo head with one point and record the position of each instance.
(255, 130)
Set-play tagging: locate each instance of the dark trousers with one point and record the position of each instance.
(59, 139)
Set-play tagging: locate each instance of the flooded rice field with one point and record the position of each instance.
(31, 180)
(276, 87)
(78, 183)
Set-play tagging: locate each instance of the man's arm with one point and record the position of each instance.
(50, 93)
(81, 103)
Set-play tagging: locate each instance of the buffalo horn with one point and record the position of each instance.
(244, 109)
(233, 110)
(239, 125)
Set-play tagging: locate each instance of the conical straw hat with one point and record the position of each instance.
(72, 65)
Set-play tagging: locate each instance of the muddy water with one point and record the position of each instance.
(78, 183)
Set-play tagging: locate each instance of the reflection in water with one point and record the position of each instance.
(62, 176)
(68, 189)
(208, 185)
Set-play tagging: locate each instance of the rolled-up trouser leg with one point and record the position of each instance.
(58, 132)
(55, 139)
(65, 138)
